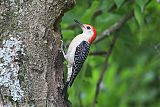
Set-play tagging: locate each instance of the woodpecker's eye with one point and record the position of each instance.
(88, 27)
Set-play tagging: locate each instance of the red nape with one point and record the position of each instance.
(94, 35)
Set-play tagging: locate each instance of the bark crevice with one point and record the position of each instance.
(37, 24)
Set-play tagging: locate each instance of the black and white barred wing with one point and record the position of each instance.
(81, 54)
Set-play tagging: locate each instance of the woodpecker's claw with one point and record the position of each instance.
(62, 50)
(61, 43)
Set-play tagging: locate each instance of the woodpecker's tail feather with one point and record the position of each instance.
(64, 92)
(72, 79)
(72, 74)
(66, 85)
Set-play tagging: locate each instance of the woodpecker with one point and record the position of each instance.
(77, 51)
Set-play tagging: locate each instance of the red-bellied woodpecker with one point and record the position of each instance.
(78, 51)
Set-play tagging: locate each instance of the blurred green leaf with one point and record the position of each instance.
(131, 79)
(148, 77)
(106, 4)
(68, 34)
(138, 15)
(88, 72)
(119, 2)
(110, 76)
(141, 4)
(89, 12)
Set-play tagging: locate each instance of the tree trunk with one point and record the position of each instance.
(31, 66)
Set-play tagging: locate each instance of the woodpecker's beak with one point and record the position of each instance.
(79, 23)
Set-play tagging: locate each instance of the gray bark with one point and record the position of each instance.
(30, 32)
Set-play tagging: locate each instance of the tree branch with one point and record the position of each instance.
(105, 34)
(80, 99)
(103, 71)
(114, 27)
(96, 53)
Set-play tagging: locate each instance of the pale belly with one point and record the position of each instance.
(72, 48)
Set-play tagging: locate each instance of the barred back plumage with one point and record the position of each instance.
(81, 53)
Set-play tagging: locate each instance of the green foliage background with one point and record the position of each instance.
(133, 75)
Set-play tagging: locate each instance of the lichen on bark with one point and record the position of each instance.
(9, 66)
(40, 73)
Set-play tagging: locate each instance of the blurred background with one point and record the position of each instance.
(124, 66)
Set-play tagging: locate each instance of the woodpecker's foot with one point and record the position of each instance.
(62, 50)
(62, 44)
